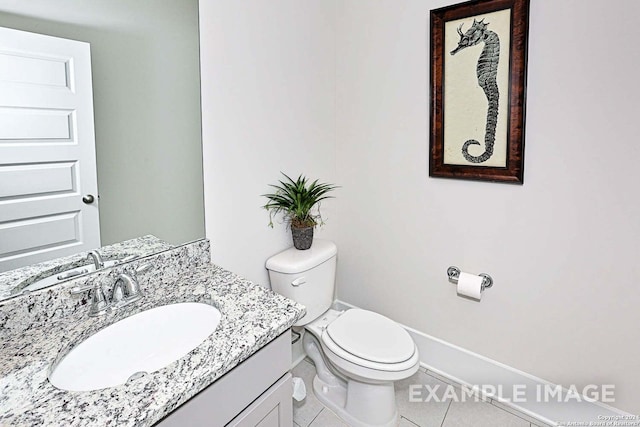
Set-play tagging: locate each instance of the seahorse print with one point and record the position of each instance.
(486, 71)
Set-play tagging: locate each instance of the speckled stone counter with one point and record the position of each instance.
(11, 282)
(37, 329)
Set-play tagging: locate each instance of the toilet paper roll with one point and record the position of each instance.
(299, 389)
(470, 285)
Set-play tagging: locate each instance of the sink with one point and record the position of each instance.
(140, 344)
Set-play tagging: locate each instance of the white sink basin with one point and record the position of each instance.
(142, 343)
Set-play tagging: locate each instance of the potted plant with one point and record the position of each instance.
(296, 201)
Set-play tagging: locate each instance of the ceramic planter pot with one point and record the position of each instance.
(302, 237)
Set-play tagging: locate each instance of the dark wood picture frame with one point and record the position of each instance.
(512, 168)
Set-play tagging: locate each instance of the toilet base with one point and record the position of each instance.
(372, 402)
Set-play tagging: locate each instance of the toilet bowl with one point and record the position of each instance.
(358, 354)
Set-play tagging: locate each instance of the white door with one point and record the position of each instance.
(48, 186)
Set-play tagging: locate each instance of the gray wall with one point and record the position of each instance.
(146, 79)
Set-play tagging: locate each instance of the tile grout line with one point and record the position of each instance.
(401, 417)
(314, 418)
(410, 420)
(445, 414)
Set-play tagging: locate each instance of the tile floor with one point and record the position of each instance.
(445, 412)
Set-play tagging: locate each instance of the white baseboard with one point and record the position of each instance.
(496, 382)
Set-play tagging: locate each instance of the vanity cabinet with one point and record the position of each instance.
(256, 393)
(274, 408)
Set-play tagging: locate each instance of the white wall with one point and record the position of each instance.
(146, 92)
(268, 93)
(562, 249)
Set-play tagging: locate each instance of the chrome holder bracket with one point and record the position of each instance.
(454, 274)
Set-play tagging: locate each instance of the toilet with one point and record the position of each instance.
(358, 354)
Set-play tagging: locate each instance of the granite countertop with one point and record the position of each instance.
(252, 316)
(11, 282)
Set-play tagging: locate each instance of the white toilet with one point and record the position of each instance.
(358, 354)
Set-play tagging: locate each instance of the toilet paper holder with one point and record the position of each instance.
(454, 272)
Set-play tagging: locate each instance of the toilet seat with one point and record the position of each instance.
(362, 334)
(369, 346)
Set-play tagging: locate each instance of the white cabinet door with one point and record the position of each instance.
(47, 149)
(273, 409)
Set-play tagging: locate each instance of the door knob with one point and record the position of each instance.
(88, 199)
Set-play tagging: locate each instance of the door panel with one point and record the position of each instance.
(37, 179)
(26, 124)
(47, 149)
(40, 234)
(25, 67)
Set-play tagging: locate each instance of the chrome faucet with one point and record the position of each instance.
(96, 258)
(125, 291)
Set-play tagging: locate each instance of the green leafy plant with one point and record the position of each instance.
(296, 200)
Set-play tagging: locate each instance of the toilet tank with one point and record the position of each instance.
(307, 277)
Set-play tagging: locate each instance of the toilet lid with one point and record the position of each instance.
(371, 336)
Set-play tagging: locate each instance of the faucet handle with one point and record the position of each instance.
(77, 290)
(144, 268)
(99, 303)
(127, 259)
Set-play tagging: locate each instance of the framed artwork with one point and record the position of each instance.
(478, 90)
